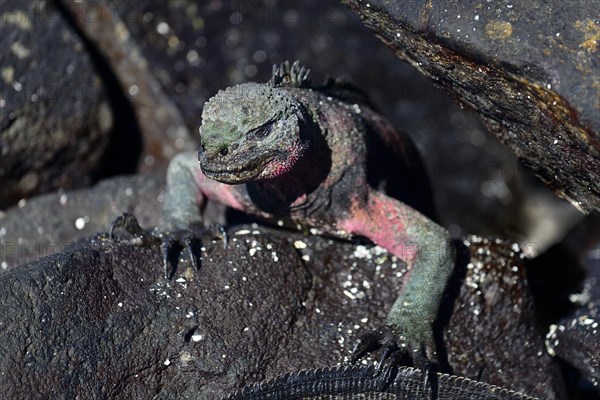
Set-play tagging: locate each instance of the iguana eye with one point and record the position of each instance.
(261, 131)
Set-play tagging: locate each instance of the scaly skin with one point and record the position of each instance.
(285, 150)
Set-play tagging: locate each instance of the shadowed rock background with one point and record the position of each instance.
(153, 64)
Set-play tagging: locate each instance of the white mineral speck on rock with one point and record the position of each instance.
(80, 223)
(361, 252)
(162, 28)
(197, 338)
(167, 362)
(120, 304)
(185, 357)
(299, 244)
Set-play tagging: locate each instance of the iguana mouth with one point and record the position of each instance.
(236, 174)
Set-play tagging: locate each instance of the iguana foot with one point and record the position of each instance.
(185, 239)
(128, 222)
(169, 239)
(397, 350)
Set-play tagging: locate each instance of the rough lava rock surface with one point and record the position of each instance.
(98, 320)
(55, 118)
(28, 231)
(530, 69)
(576, 338)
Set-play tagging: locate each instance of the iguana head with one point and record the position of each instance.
(250, 132)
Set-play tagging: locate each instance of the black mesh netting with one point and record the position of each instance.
(358, 382)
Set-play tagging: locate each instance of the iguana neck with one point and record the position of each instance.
(297, 186)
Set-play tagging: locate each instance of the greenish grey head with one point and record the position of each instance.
(250, 131)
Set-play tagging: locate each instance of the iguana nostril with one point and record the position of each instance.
(224, 151)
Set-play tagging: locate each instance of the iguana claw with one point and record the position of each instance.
(169, 239)
(219, 232)
(129, 223)
(395, 354)
(185, 239)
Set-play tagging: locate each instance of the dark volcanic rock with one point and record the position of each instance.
(530, 69)
(29, 231)
(159, 121)
(576, 338)
(54, 117)
(495, 293)
(99, 321)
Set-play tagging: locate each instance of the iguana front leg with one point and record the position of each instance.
(429, 253)
(188, 190)
(185, 198)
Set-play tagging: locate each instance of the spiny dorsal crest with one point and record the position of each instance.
(296, 75)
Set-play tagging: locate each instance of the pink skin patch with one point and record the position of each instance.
(279, 167)
(384, 221)
(217, 191)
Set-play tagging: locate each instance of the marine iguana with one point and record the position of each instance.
(322, 157)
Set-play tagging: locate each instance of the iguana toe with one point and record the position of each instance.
(170, 240)
(383, 337)
(219, 232)
(128, 222)
(398, 349)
